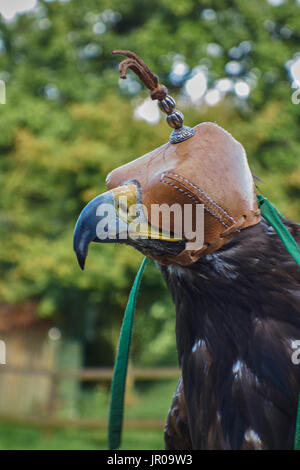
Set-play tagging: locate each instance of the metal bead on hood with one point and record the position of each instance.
(167, 105)
(175, 120)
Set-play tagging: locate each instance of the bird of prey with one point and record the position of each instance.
(237, 297)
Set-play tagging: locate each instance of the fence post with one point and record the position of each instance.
(68, 389)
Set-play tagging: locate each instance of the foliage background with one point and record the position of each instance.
(67, 123)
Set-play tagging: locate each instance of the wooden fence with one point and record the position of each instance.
(49, 419)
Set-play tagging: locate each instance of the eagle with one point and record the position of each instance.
(237, 311)
(236, 295)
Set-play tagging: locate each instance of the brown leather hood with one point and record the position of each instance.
(209, 168)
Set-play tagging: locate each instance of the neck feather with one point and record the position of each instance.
(223, 297)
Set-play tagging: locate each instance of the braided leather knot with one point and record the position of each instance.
(138, 66)
(159, 93)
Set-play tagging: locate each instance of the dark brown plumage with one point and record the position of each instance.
(237, 313)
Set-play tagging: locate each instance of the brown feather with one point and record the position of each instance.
(237, 313)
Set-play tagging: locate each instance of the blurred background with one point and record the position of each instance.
(69, 120)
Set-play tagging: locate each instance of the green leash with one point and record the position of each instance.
(271, 214)
(297, 430)
(119, 378)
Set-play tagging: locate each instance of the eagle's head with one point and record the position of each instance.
(154, 203)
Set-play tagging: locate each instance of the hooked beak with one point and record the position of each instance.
(97, 222)
(112, 217)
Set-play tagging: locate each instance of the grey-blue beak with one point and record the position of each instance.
(98, 222)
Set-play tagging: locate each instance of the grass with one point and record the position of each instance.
(148, 401)
(27, 438)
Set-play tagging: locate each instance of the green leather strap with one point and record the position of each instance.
(271, 214)
(120, 371)
(297, 430)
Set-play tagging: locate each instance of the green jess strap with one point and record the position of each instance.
(297, 430)
(273, 217)
(120, 371)
(271, 214)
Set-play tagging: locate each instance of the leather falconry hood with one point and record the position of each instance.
(201, 165)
